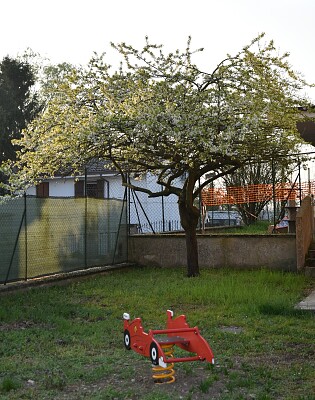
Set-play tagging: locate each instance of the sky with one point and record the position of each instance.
(72, 30)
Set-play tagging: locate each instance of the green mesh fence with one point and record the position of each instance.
(54, 235)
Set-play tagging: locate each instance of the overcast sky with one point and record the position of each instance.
(71, 30)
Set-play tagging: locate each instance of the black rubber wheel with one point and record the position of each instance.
(127, 339)
(154, 354)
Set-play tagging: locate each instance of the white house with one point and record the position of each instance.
(148, 214)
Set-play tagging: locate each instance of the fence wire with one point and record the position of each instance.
(222, 204)
(42, 236)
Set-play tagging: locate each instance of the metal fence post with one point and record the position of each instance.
(300, 185)
(15, 246)
(143, 210)
(85, 218)
(129, 209)
(163, 214)
(25, 228)
(119, 225)
(200, 206)
(273, 173)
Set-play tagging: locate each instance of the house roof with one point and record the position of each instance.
(307, 131)
(99, 167)
(307, 128)
(92, 168)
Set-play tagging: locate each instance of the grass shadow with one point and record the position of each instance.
(274, 309)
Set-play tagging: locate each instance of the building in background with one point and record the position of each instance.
(158, 214)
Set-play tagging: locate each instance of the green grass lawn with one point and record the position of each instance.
(66, 341)
(258, 228)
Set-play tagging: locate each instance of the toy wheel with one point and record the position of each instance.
(127, 340)
(154, 354)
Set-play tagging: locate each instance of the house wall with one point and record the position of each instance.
(61, 188)
(31, 191)
(216, 251)
(57, 188)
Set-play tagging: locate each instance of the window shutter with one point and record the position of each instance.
(42, 190)
(79, 189)
(100, 189)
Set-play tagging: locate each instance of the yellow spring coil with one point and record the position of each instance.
(165, 375)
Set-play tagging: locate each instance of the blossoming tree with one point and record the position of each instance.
(160, 113)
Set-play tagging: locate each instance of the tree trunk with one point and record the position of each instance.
(189, 219)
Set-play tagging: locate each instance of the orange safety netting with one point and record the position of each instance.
(256, 193)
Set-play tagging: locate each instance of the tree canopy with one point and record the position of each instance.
(18, 105)
(160, 113)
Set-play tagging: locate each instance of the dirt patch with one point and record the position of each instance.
(231, 329)
(194, 381)
(191, 386)
(21, 325)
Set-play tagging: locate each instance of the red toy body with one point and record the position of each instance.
(176, 333)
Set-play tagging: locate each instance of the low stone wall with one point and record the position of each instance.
(216, 251)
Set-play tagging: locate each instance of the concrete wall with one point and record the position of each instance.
(216, 251)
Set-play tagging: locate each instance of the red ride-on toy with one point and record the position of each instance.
(158, 344)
